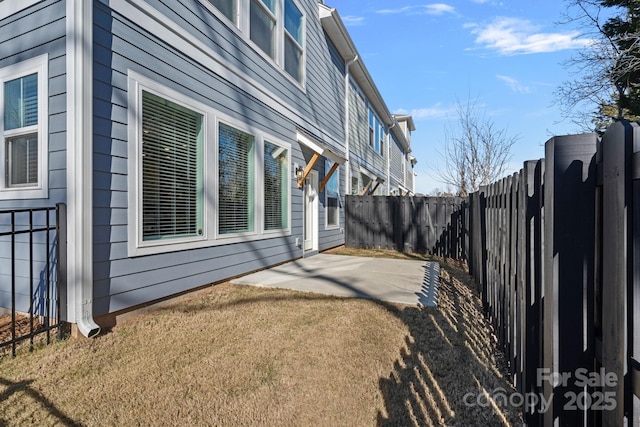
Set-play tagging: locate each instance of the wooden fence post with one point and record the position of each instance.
(617, 145)
(569, 211)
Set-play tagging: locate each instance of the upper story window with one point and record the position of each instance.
(276, 27)
(23, 125)
(262, 30)
(293, 40)
(229, 8)
(376, 133)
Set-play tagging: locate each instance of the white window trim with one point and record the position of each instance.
(242, 29)
(211, 118)
(328, 226)
(39, 65)
(9, 7)
(260, 156)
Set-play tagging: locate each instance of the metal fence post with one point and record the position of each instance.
(61, 265)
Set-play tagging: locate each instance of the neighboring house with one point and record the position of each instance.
(378, 143)
(401, 171)
(191, 141)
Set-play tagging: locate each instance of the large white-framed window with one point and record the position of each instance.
(23, 125)
(171, 169)
(275, 27)
(198, 177)
(236, 180)
(332, 197)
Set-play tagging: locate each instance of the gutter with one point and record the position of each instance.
(79, 26)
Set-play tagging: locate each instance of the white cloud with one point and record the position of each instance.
(427, 9)
(437, 112)
(514, 84)
(513, 36)
(353, 20)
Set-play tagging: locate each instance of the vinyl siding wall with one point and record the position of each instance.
(395, 165)
(121, 45)
(36, 30)
(361, 152)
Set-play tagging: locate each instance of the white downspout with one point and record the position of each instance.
(347, 133)
(80, 166)
(389, 139)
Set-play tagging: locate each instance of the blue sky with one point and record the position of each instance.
(506, 55)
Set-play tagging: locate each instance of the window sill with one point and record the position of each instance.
(23, 193)
(167, 246)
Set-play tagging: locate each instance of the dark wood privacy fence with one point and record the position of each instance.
(407, 224)
(555, 251)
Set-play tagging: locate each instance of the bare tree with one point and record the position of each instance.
(604, 73)
(476, 151)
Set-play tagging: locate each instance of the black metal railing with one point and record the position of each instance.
(31, 250)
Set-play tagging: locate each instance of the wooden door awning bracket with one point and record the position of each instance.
(376, 187)
(328, 176)
(308, 169)
(366, 188)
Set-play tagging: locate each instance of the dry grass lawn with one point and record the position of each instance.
(238, 356)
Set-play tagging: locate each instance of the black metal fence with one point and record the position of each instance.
(407, 224)
(32, 272)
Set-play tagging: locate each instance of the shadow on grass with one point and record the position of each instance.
(25, 387)
(449, 371)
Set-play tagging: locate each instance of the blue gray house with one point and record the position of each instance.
(191, 141)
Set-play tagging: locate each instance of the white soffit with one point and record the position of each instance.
(320, 148)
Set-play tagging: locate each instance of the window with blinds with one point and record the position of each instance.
(276, 187)
(332, 194)
(194, 186)
(172, 184)
(236, 179)
(20, 127)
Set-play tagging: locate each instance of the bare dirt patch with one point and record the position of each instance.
(239, 355)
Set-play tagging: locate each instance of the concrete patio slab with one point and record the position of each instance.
(390, 280)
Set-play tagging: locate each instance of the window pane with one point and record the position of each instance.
(292, 59)
(171, 169)
(293, 20)
(271, 5)
(227, 7)
(276, 187)
(332, 184)
(22, 152)
(236, 177)
(332, 194)
(355, 185)
(21, 102)
(262, 31)
(332, 211)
